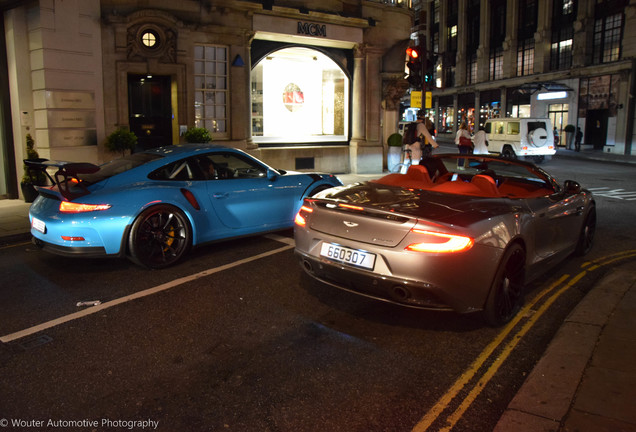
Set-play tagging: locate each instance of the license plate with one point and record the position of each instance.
(350, 256)
(38, 225)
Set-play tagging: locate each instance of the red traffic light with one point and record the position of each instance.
(412, 52)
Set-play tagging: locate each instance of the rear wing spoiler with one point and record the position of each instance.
(65, 178)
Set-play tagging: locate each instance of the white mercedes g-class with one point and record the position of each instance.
(516, 137)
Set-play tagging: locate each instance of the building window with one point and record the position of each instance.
(525, 58)
(496, 64)
(449, 76)
(211, 88)
(607, 38)
(561, 54)
(452, 38)
(471, 69)
(436, 11)
(563, 16)
(149, 39)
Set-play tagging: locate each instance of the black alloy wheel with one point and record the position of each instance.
(159, 237)
(508, 153)
(506, 294)
(586, 237)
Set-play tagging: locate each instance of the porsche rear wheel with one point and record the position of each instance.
(159, 237)
(506, 294)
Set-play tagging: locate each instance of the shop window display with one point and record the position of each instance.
(299, 95)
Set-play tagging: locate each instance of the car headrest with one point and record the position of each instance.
(486, 184)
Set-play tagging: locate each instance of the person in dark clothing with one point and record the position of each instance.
(577, 139)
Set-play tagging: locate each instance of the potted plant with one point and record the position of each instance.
(120, 141)
(197, 135)
(31, 177)
(394, 154)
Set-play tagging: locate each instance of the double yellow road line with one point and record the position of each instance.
(547, 296)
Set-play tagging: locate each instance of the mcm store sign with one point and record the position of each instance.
(282, 29)
(312, 29)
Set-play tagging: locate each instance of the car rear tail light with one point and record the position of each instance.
(301, 215)
(431, 241)
(71, 207)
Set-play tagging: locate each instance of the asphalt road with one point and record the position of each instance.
(236, 338)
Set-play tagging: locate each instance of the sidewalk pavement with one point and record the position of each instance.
(586, 379)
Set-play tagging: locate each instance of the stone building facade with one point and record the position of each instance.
(570, 60)
(299, 84)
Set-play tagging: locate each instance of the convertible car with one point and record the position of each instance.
(154, 205)
(455, 233)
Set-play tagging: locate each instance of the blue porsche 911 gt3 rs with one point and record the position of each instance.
(154, 205)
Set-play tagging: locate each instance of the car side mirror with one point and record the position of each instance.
(271, 175)
(572, 187)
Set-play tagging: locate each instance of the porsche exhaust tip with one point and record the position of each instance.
(400, 293)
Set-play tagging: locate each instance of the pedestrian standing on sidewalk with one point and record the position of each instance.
(577, 139)
(480, 145)
(464, 143)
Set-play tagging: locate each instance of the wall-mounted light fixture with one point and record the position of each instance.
(552, 95)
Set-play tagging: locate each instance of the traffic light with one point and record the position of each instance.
(414, 63)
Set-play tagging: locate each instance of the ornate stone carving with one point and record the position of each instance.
(392, 91)
(165, 49)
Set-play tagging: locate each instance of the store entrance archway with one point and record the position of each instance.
(299, 96)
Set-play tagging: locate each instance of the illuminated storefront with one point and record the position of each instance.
(446, 116)
(299, 95)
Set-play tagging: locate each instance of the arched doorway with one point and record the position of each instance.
(299, 95)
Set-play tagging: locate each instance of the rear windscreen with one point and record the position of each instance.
(118, 166)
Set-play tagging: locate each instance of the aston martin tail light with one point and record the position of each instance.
(71, 207)
(301, 215)
(431, 241)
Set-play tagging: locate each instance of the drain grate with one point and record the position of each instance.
(34, 342)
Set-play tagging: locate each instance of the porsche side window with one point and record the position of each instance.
(176, 171)
(237, 166)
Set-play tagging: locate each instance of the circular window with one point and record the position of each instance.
(150, 39)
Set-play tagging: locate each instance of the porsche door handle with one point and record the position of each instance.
(220, 195)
